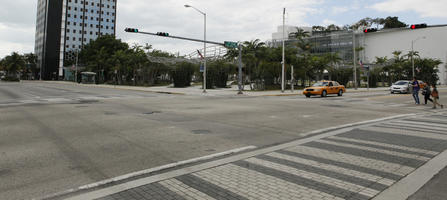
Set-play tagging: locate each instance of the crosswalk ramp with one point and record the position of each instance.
(357, 164)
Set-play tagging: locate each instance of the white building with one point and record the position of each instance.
(430, 42)
(279, 36)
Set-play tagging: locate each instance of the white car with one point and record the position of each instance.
(401, 87)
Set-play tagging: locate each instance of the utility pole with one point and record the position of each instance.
(76, 66)
(240, 68)
(354, 59)
(292, 78)
(283, 49)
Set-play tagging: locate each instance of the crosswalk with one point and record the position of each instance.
(357, 164)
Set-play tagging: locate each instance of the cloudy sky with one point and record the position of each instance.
(233, 20)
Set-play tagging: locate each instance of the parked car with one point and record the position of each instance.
(323, 88)
(404, 87)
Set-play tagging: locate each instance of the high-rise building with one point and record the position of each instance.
(63, 27)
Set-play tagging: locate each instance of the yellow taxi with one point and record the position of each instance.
(323, 88)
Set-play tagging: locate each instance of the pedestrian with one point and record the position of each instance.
(416, 89)
(427, 93)
(435, 95)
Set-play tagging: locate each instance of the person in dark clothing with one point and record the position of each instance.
(416, 88)
(427, 93)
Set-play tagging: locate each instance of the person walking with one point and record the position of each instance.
(435, 95)
(427, 93)
(416, 89)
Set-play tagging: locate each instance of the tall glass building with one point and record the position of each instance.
(63, 27)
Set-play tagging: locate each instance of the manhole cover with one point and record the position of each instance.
(201, 131)
(151, 112)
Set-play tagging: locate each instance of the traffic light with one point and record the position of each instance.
(415, 26)
(370, 30)
(132, 30)
(163, 34)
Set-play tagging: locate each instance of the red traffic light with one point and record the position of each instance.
(369, 30)
(416, 26)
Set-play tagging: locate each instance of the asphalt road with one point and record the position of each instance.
(54, 137)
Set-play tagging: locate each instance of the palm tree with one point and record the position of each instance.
(253, 52)
(13, 63)
(333, 59)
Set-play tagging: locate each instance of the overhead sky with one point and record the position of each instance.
(233, 20)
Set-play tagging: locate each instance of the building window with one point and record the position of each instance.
(74, 31)
(74, 23)
(68, 30)
(68, 38)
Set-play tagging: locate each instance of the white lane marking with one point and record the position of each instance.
(413, 149)
(392, 153)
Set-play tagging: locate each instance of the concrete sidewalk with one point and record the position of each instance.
(198, 91)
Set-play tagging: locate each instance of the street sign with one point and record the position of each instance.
(202, 69)
(229, 44)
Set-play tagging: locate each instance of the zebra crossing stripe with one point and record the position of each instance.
(410, 150)
(336, 188)
(424, 124)
(256, 185)
(377, 165)
(418, 127)
(394, 130)
(388, 152)
(321, 171)
(366, 153)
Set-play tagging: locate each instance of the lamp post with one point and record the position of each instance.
(204, 45)
(412, 52)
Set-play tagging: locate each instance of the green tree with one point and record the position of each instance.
(97, 55)
(13, 63)
(393, 22)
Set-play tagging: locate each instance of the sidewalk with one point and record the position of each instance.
(198, 91)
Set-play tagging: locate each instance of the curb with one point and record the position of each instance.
(145, 172)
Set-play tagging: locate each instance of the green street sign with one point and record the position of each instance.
(229, 44)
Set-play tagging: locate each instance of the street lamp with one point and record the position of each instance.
(204, 45)
(412, 52)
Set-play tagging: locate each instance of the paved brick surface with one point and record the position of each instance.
(356, 165)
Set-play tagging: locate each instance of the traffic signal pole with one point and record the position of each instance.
(225, 44)
(182, 38)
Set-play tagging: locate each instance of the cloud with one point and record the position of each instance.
(16, 38)
(327, 22)
(227, 20)
(339, 10)
(432, 8)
